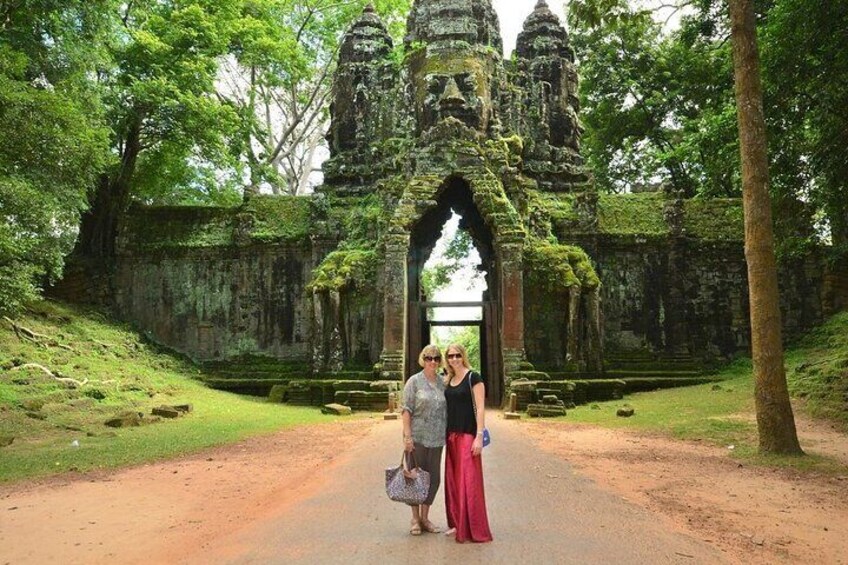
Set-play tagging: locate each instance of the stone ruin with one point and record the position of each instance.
(587, 293)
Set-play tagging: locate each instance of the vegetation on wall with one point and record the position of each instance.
(344, 268)
(559, 268)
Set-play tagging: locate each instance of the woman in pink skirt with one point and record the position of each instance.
(465, 500)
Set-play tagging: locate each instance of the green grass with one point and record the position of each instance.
(723, 413)
(817, 371)
(44, 417)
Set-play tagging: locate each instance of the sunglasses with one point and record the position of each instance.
(454, 356)
(429, 358)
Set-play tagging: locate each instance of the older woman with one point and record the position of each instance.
(465, 500)
(424, 419)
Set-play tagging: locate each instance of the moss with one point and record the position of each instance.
(265, 219)
(558, 207)
(345, 268)
(280, 219)
(559, 268)
(715, 219)
(632, 214)
(175, 227)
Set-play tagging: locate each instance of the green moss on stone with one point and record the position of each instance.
(632, 214)
(178, 227)
(559, 268)
(345, 268)
(714, 219)
(280, 219)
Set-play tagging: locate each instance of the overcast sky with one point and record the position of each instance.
(512, 14)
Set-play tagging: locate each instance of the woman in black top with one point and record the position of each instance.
(465, 500)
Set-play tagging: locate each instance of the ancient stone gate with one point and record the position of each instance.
(582, 286)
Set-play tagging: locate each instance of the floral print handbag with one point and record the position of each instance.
(410, 486)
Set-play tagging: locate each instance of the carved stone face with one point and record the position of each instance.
(454, 83)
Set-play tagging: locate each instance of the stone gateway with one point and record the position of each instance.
(322, 293)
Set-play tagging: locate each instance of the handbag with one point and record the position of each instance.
(487, 438)
(410, 486)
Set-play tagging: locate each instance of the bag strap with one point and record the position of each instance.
(473, 400)
(404, 462)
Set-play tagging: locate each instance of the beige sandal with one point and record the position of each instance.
(430, 527)
(415, 528)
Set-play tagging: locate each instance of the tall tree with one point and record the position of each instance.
(160, 98)
(278, 78)
(657, 103)
(53, 142)
(775, 421)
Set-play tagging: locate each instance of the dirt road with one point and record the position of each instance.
(315, 496)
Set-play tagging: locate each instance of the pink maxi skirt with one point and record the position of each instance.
(465, 500)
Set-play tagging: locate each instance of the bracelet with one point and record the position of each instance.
(479, 433)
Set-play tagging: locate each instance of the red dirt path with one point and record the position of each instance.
(752, 515)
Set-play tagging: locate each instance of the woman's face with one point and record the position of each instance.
(431, 361)
(454, 359)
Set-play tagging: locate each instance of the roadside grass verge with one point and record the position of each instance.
(723, 413)
(55, 428)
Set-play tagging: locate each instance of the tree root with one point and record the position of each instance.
(26, 334)
(52, 375)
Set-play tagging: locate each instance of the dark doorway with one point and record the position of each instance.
(454, 197)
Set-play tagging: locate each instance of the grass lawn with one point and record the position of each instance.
(723, 413)
(46, 419)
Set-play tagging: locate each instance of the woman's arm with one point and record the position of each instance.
(406, 415)
(407, 431)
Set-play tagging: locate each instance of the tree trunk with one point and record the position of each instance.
(775, 421)
(99, 225)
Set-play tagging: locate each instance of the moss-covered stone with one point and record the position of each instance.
(715, 219)
(632, 214)
(559, 268)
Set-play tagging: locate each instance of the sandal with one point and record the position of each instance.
(430, 527)
(415, 528)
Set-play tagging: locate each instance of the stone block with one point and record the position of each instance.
(336, 410)
(512, 416)
(166, 412)
(128, 420)
(545, 411)
(277, 394)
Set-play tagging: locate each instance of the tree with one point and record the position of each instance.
(775, 421)
(278, 78)
(52, 140)
(161, 108)
(657, 104)
(805, 67)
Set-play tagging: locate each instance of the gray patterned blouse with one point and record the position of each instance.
(425, 401)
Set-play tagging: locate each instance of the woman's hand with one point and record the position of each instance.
(477, 446)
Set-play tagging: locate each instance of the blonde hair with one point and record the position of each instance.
(461, 350)
(430, 351)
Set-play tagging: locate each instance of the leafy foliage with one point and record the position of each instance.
(52, 143)
(659, 107)
(438, 275)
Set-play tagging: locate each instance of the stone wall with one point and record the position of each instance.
(221, 303)
(641, 311)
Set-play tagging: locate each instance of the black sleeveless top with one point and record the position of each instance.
(460, 409)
